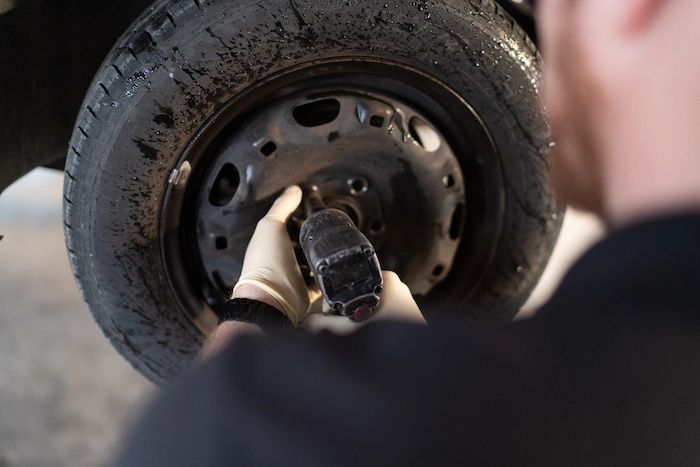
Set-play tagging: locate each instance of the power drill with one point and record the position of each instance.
(341, 259)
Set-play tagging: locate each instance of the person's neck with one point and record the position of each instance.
(652, 165)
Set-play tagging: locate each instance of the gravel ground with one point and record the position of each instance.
(67, 397)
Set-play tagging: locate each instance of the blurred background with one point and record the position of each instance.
(67, 397)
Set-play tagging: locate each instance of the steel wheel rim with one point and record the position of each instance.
(480, 190)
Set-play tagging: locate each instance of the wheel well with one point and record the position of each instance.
(523, 13)
(50, 51)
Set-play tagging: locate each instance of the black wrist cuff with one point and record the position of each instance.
(252, 311)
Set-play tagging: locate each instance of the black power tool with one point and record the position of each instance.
(340, 258)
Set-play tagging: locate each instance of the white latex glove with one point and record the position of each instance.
(396, 304)
(270, 263)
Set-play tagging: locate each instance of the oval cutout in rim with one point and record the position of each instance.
(316, 113)
(225, 185)
(456, 222)
(424, 135)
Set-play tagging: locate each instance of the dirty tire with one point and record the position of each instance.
(185, 59)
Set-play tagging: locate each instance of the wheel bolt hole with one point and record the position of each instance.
(268, 148)
(316, 113)
(448, 180)
(376, 227)
(221, 243)
(376, 121)
(358, 186)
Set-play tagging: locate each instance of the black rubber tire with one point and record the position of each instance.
(193, 56)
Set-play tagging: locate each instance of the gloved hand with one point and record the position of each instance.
(270, 264)
(396, 304)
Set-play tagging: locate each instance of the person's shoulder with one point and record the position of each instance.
(647, 269)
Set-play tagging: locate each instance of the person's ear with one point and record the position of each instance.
(636, 15)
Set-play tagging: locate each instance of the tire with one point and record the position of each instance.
(188, 71)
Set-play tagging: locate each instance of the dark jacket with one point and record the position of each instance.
(607, 373)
